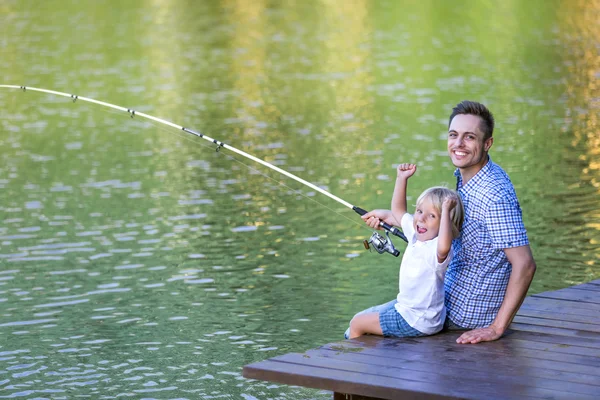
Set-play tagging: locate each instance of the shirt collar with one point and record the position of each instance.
(478, 176)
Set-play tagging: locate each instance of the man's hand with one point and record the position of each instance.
(480, 335)
(372, 218)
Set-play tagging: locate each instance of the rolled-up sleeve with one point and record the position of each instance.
(504, 222)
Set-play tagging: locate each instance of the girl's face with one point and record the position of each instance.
(426, 220)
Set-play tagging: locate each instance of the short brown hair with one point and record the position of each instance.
(478, 109)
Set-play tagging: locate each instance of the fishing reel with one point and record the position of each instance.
(381, 244)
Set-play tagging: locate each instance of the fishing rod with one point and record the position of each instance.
(380, 243)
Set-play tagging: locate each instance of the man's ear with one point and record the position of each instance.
(488, 143)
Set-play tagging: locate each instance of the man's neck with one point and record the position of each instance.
(467, 173)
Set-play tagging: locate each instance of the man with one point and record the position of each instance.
(492, 265)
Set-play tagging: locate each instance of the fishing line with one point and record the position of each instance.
(281, 183)
(232, 158)
(380, 243)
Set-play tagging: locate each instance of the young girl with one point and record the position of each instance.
(419, 308)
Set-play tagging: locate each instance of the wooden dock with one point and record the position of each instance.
(551, 351)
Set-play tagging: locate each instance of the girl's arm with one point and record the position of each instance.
(445, 234)
(404, 171)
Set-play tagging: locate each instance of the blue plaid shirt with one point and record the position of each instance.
(477, 277)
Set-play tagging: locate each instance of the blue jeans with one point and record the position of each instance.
(451, 326)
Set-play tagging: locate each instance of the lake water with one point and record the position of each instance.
(138, 262)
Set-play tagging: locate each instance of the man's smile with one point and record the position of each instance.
(460, 153)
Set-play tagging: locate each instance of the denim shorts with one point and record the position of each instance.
(393, 325)
(391, 322)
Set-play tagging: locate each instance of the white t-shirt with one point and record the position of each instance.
(421, 297)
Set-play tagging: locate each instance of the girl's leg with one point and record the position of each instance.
(365, 323)
(375, 309)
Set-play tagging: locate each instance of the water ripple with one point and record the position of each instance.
(32, 322)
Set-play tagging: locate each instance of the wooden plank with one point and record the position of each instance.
(508, 344)
(544, 337)
(554, 331)
(558, 303)
(557, 315)
(454, 372)
(342, 396)
(588, 286)
(347, 382)
(576, 326)
(551, 347)
(578, 296)
(506, 347)
(581, 290)
(477, 388)
(491, 365)
(540, 306)
(476, 357)
(474, 389)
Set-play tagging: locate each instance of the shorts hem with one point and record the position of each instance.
(394, 325)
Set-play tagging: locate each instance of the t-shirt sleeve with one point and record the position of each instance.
(504, 222)
(406, 223)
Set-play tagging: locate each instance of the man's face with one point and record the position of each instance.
(466, 145)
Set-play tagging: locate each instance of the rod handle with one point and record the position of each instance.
(391, 229)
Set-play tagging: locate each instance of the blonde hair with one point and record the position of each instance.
(437, 195)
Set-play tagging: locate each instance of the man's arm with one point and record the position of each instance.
(523, 269)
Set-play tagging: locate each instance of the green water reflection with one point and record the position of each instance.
(137, 261)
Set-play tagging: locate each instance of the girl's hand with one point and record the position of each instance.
(449, 203)
(405, 171)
